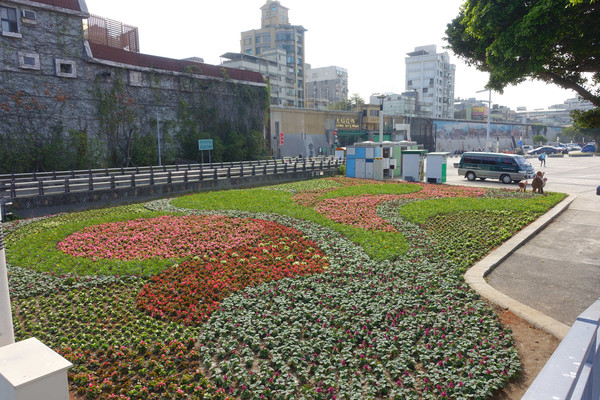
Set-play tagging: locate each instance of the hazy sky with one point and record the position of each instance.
(369, 39)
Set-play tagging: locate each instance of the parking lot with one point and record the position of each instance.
(558, 271)
(573, 175)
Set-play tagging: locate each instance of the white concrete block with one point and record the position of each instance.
(30, 370)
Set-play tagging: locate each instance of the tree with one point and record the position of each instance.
(357, 101)
(541, 139)
(555, 41)
(342, 105)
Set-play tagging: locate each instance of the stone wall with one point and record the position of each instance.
(104, 113)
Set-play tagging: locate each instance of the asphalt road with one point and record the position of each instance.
(558, 271)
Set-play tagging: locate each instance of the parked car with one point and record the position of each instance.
(573, 147)
(588, 147)
(505, 167)
(527, 147)
(545, 149)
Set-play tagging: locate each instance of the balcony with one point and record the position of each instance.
(112, 33)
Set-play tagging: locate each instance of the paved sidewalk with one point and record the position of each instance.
(549, 273)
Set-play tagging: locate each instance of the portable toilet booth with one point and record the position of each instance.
(436, 167)
(351, 162)
(413, 163)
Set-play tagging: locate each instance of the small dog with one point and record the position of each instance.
(522, 187)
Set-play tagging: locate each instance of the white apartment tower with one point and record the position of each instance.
(326, 85)
(431, 76)
(276, 32)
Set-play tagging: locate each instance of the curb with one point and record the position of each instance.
(475, 276)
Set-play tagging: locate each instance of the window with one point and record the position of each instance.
(490, 161)
(8, 16)
(471, 160)
(29, 60)
(374, 113)
(425, 90)
(65, 68)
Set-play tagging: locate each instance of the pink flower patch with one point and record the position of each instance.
(361, 211)
(162, 237)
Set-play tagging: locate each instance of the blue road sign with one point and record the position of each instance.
(205, 144)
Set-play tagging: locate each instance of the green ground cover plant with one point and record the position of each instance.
(304, 305)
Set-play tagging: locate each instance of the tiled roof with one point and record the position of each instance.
(68, 4)
(103, 52)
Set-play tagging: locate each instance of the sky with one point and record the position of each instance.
(369, 39)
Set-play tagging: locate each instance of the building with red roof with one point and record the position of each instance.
(86, 78)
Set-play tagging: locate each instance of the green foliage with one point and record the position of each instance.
(587, 123)
(549, 40)
(118, 117)
(109, 342)
(419, 211)
(145, 150)
(357, 101)
(463, 237)
(372, 189)
(236, 136)
(580, 135)
(540, 139)
(342, 105)
(342, 170)
(33, 137)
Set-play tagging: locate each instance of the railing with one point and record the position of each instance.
(573, 371)
(34, 184)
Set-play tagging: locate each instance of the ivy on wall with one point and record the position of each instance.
(117, 115)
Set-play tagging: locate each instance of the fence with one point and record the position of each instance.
(573, 371)
(39, 184)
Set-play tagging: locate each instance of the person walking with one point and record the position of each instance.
(542, 159)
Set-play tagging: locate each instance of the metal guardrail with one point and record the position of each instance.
(38, 184)
(573, 371)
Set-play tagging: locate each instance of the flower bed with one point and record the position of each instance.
(342, 325)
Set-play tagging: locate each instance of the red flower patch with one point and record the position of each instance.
(190, 292)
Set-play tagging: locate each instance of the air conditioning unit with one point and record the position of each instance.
(28, 14)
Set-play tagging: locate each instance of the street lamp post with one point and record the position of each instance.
(381, 97)
(487, 136)
(158, 137)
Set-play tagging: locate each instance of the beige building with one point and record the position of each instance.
(276, 32)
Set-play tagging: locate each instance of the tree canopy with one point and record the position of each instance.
(555, 41)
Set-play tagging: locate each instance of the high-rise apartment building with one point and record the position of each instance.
(276, 32)
(273, 67)
(325, 86)
(431, 76)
